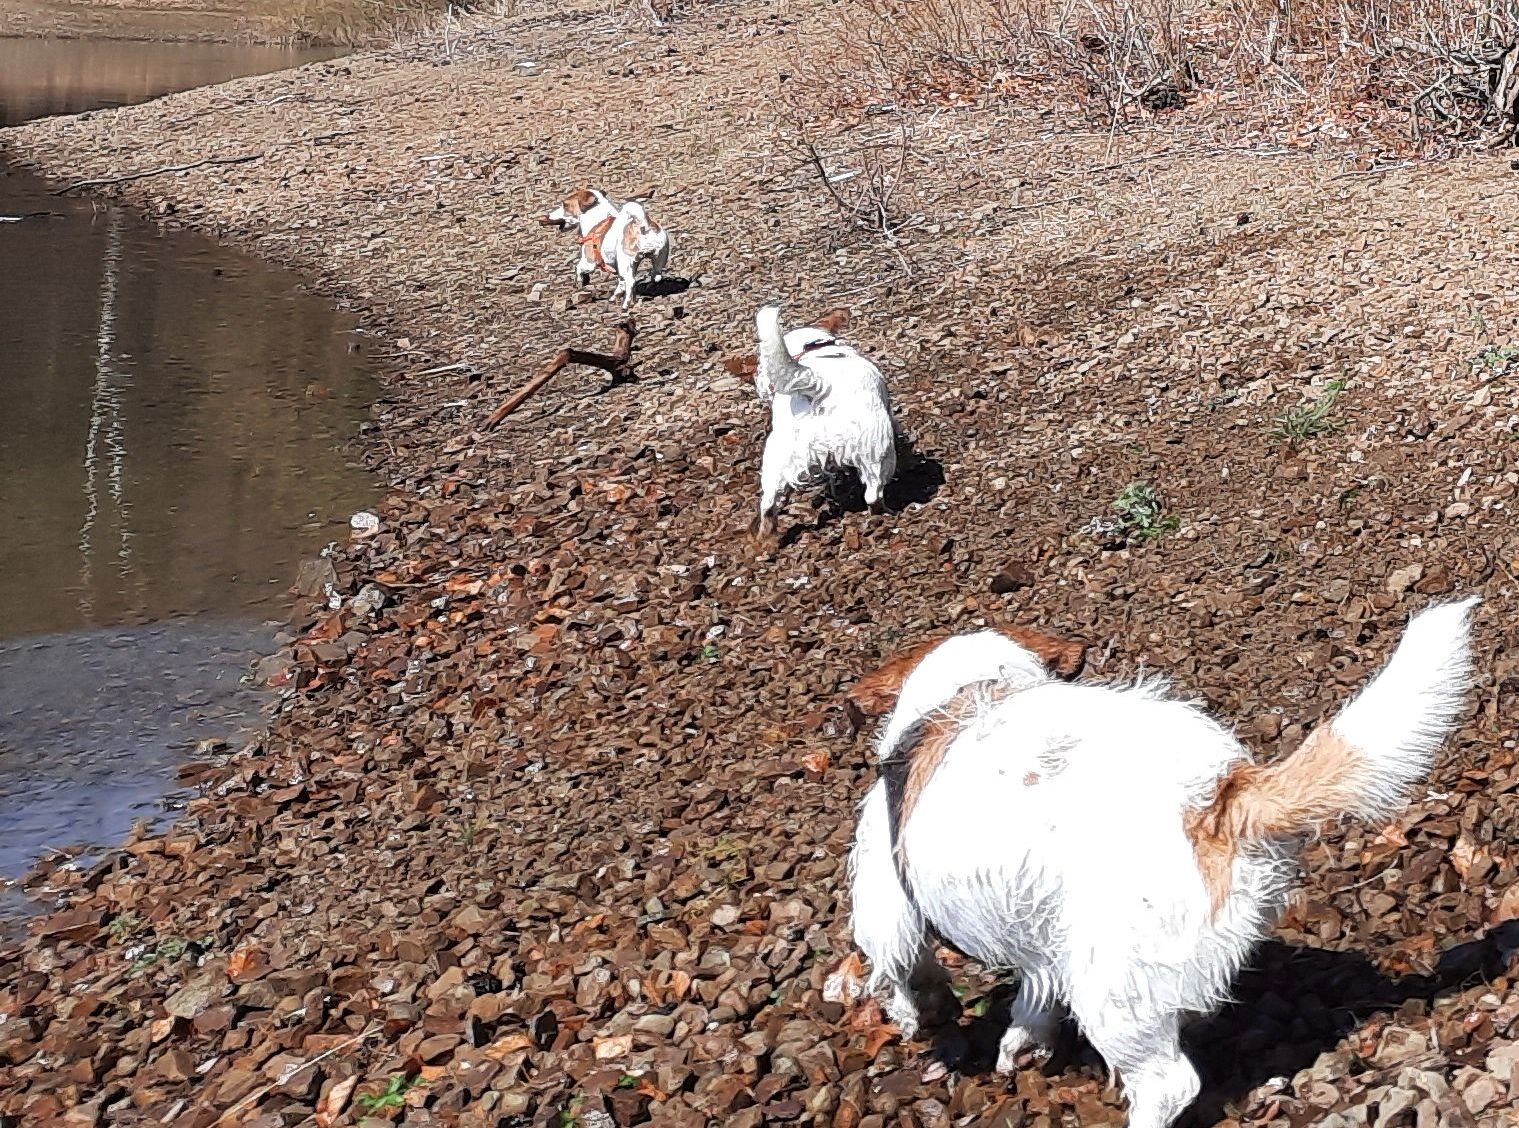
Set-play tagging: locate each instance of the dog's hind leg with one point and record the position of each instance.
(874, 476)
(772, 481)
(626, 270)
(1139, 1038)
(1034, 1022)
(889, 929)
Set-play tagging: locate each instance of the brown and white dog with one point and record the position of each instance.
(613, 239)
(1118, 847)
(594, 214)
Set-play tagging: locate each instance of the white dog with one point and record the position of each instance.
(828, 408)
(1119, 848)
(637, 239)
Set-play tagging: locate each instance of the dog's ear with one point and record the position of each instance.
(578, 202)
(876, 693)
(1064, 656)
(743, 367)
(835, 321)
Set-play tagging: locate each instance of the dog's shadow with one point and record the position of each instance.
(1292, 1005)
(666, 287)
(918, 478)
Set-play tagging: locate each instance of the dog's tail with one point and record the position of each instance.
(1363, 763)
(777, 369)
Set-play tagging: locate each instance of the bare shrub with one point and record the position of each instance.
(1444, 68)
(355, 22)
(864, 179)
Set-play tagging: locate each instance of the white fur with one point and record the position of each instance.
(828, 408)
(652, 246)
(1051, 840)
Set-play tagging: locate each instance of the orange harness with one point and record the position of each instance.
(593, 239)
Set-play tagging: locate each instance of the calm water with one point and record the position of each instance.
(175, 424)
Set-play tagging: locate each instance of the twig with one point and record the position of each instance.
(615, 362)
(1372, 171)
(78, 184)
(260, 1093)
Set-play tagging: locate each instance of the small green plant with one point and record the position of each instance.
(724, 849)
(1499, 359)
(1311, 419)
(710, 652)
(123, 925)
(569, 1117)
(1142, 512)
(394, 1095)
(166, 950)
(628, 1081)
(468, 832)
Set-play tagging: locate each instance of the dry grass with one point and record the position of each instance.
(1437, 69)
(358, 22)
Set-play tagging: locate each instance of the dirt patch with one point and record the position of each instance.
(552, 821)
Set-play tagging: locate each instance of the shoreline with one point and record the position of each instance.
(271, 23)
(566, 795)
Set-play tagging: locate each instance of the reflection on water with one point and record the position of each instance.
(174, 419)
(40, 77)
(93, 725)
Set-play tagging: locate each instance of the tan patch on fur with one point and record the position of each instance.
(630, 235)
(1030, 779)
(876, 692)
(578, 202)
(1255, 803)
(743, 367)
(835, 321)
(936, 733)
(593, 239)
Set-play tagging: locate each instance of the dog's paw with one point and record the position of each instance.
(1021, 1047)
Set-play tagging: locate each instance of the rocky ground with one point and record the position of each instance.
(550, 825)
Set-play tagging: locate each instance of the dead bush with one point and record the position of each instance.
(1439, 69)
(863, 177)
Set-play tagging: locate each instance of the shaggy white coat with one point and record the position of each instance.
(1051, 839)
(829, 408)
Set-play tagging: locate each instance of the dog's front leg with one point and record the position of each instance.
(625, 282)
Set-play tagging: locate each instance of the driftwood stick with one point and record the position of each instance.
(615, 362)
(78, 184)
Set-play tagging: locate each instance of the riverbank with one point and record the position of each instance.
(340, 23)
(552, 818)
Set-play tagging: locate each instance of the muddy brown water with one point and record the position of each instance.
(176, 426)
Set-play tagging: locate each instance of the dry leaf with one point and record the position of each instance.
(330, 1108)
(847, 982)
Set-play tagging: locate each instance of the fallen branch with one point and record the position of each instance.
(615, 362)
(104, 180)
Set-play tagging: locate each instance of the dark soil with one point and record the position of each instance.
(551, 825)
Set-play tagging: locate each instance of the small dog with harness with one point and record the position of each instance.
(614, 239)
